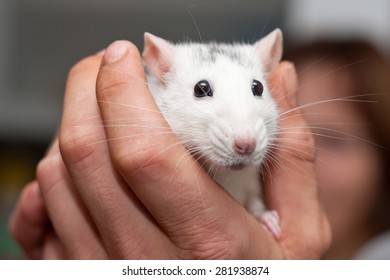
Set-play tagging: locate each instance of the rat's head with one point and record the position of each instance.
(215, 96)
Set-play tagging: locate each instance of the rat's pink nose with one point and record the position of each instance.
(244, 146)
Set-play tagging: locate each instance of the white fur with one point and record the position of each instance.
(209, 125)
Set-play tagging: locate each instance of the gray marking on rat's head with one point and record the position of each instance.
(211, 51)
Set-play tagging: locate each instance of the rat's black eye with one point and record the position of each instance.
(202, 89)
(257, 88)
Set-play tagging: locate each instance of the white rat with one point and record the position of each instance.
(216, 99)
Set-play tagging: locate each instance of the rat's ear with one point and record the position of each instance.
(158, 55)
(270, 49)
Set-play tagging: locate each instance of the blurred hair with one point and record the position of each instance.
(371, 78)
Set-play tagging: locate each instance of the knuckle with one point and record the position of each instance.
(128, 249)
(143, 159)
(131, 246)
(46, 172)
(221, 247)
(106, 89)
(77, 135)
(43, 175)
(84, 249)
(209, 240)
(221, 250)
(75, 144)
(43, 170)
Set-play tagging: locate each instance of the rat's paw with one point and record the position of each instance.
(270, 220)
(256, 207)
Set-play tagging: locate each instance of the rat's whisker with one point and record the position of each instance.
(140, 79)
(272, 159)
(291, 151)
(351, 98)
(315, 63)
(161, 152)
(194, 22)
(286, 117)
(261, 37)
(145, 82)
(324, 124)
(344, 99)
(198, 188)
(287, 159)
(131, 74)
(185, 157)
(131, 136)
(139, 119)
(276, 141)
(133, 107)
(325, 151)
(98, 119)
(350, 136)
(315, 127)
(322, 77)
(264, 168)
(126, 125)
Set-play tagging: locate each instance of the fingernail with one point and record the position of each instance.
(116, 51)
(291, 83)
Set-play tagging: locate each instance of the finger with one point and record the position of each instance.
(177, 192)
(291, 186)
(71, 222)
(283, 83)
(52, 248)
(29, 221)
(125, 227)
(292, 124)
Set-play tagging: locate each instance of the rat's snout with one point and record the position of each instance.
(244, 145)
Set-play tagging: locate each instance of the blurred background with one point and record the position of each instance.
(41, 39)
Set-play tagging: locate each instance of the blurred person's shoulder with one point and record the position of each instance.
(377, 248)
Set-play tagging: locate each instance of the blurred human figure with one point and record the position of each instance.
(347, 85)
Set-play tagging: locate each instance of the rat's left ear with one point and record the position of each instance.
(158, 55)
(270, 49)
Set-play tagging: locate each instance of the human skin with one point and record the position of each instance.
(119, 192)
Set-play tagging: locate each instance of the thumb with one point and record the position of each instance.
(291, 186)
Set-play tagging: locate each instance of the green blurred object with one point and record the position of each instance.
(8, 247)
(17, 167)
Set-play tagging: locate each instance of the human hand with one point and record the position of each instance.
(117, 189)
